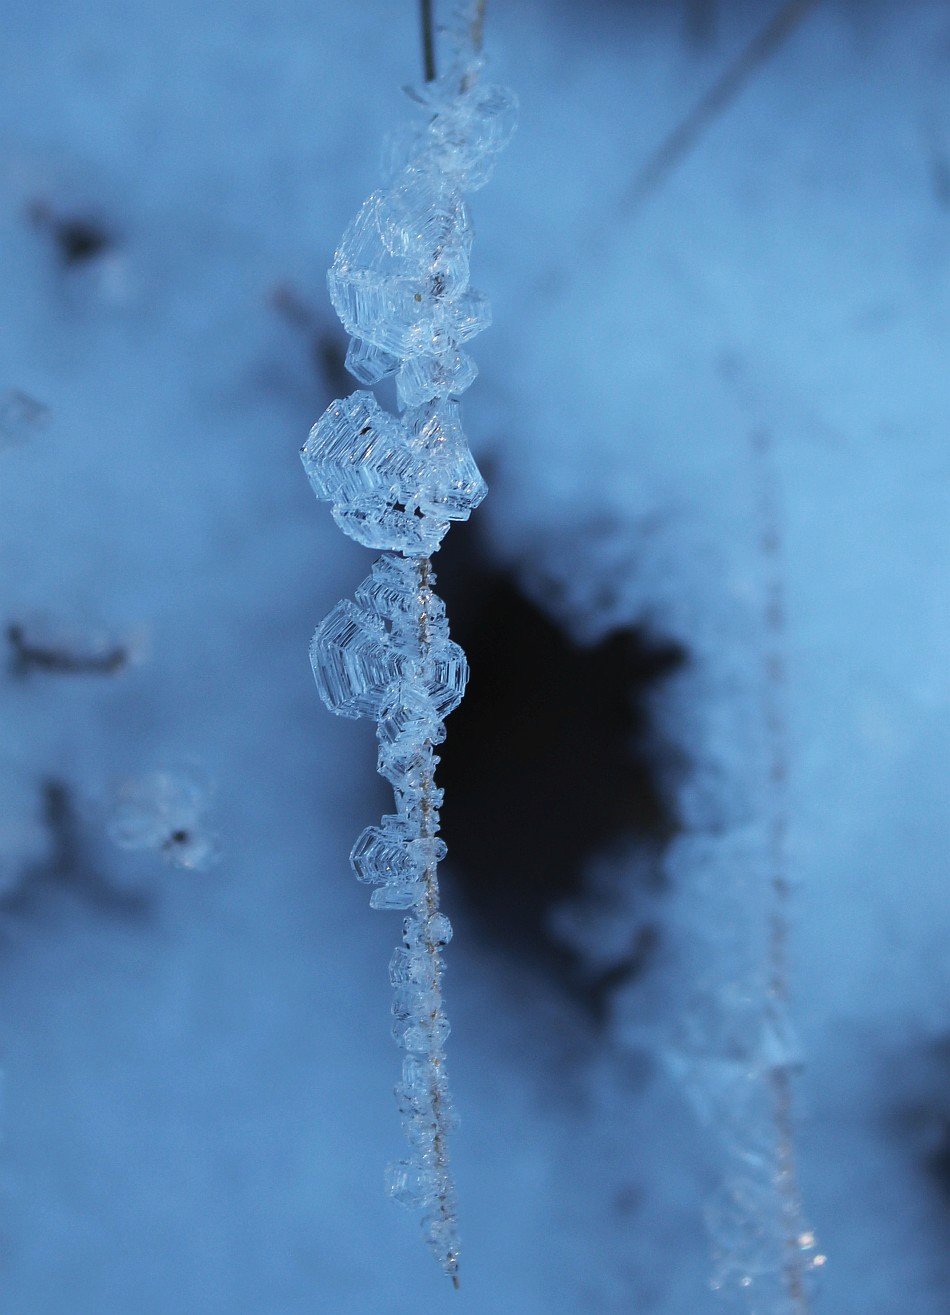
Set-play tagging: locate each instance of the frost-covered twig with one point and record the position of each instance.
(800, 1255)
(739, 1055)
(400, 284)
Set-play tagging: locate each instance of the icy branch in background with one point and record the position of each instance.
(737, 1054)
(400, 283)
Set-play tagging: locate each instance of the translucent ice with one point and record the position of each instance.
(462, 139)
(412, 1184)
(423, 378)
(400, 283)
(368, 363)
(411, 967)
(357, 449)
(444, 676)
(403, 256)
(373, 468)
(165, 811)
(452, 485)
(353, 662)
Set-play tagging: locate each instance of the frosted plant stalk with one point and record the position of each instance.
(738, 1053)
(396, 481)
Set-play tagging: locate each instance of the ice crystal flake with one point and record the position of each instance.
(464, 136)
(394, 483)
(355, 449)
(368, 363)
(353, 662)
(424, 377)
(166, 811)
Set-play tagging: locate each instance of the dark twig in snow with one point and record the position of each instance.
(719, 97)
(30, 655)
(428, 40)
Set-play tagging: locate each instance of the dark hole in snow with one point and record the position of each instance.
(329, 354)
(925, 1120)
(77, 239)
(548, 762)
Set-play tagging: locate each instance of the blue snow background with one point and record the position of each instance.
(196, 1066)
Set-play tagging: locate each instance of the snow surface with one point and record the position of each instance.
(197, 1067)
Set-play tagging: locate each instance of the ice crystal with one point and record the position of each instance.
(395, 482)
(166, 811)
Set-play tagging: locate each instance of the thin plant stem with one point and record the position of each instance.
(720, 95)
(428, 40)
(777, 737)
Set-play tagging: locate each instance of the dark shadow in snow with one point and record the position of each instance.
(78, 239)
(326, 342)
(548, 761)
(70, 868)
(925, 1121)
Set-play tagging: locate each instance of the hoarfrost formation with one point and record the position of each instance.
(400, 284)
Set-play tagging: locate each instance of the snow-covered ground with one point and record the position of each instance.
(196, 1064)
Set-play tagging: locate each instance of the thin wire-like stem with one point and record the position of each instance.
(719, 96)
(428, 40)
(776, 733)
(478, 25)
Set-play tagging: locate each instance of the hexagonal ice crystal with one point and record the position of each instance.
(356, 448)
(367, 463)
(369, 363)
(353, 662)
(462, 140)
(412, 1184)
(403, 257)
(443, 676)
(382, 856)
(423, 378)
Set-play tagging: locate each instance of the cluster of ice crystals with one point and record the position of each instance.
(388, 656)
(463, 137)
(395, 482)
(400, 283)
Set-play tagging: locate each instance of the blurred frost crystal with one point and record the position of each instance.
(166, 812)
(395, 482)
